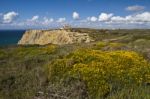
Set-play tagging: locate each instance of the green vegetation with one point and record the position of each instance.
(101, 71)
(21, 70)
(115, 66)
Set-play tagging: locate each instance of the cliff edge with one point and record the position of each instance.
(59, 37)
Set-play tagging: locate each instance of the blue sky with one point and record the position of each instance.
(25, 14)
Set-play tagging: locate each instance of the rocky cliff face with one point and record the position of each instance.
(59, 37)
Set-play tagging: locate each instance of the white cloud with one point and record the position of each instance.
(117, 19)
(135, 8)
(47, 20)
(92, 19)
(104, 20)
(105, 16)
(137, 18)
(60, 20)
(144, 17)
(33, 21)
(9, 17)
(75, 16)
(34, 18)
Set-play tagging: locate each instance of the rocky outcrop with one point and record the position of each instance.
(59, 37)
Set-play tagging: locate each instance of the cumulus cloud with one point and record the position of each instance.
(32, 21)
(135, 8)
(60, 20)
(75, 16)
(137, 18)
(37, 21)
(117, 19)
(34, 18)
(144, 17)
(47, 20)
(105, 16)
(92, 19)
(9, 17)
(104, 20)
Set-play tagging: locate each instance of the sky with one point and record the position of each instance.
(44, 14)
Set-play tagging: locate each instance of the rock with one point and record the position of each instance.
(60, 37)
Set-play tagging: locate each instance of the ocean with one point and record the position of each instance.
(10, 37)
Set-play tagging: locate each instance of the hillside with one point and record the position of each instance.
(115, 65)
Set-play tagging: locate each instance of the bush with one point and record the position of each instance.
(110, 46)
(33, 51)
(101, 71)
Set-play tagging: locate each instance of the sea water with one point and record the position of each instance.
(10, 37)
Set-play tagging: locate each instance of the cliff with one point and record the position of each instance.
(59, 37)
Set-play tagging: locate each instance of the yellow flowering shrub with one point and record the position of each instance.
(100, 69)
(101, 44)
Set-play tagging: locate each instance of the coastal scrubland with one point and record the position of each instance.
(114, 66)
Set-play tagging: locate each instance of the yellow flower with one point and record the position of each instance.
(100, 69)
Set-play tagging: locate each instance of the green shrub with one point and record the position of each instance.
(110, 46)
(33, 51)
(101, 44)
(3, 54)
